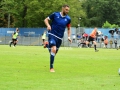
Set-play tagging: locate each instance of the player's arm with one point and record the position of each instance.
(18, 36)
(69, 32)
(12, 35)
(93, 34)
(50, 17)
(46, 21)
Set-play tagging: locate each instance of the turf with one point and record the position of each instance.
(27, 68)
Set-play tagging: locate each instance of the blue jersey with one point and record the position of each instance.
(59, 24)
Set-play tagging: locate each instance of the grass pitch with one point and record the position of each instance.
(27, 68)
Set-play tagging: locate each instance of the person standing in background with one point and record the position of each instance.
(111, 43)
(115, 42)
(105, 41)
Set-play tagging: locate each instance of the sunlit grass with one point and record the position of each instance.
(27, 68)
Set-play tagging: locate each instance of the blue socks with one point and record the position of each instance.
(52, 55)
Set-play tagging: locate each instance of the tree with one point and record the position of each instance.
(7, 13)
(31, 13)
(108, 25)
(99, 11)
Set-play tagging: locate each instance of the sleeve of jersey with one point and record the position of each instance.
(51, 16)
(69, 25)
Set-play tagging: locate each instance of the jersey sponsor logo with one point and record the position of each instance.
(51, 41)
(65, 19)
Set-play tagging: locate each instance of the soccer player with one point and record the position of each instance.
(14, 38)
(60, 20)
(92, 37)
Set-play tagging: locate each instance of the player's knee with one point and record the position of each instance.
(54, 49)
(94, 42)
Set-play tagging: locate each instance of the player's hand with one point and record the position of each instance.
(48, 27)
(69, 39)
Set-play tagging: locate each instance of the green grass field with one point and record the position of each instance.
(27, 68)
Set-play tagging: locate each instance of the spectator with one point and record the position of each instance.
(105, 41)
(99, 36)
(78, 37)
(102, 39)
(85, 36)
(115, 42)
(82, 43)
(73, 38)
(111, 42)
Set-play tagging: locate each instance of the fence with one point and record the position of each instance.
(34, 39)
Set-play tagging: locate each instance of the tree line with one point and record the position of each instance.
(31, 13)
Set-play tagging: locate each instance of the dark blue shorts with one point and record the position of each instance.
(54, 41)
(91, 39)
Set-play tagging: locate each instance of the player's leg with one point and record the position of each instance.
(52, 50)
(43, 40)
(117, 47)
(46, 44)
(11, 42)
(15, 42)
(58, 44)
(52, 57)
(106, 45)
(87, 43)
(94, 42)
